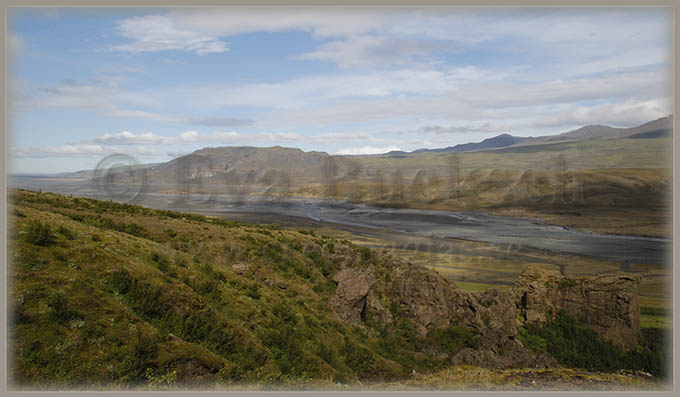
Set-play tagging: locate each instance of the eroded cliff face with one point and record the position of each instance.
(606, 303)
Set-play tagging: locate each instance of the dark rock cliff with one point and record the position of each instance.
(606, 303)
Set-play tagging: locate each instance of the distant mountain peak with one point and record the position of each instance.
(662, 126)
(503, 136)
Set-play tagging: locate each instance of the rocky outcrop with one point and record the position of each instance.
(606, 303)
(375, 310)
(429, 300)
(350, 302)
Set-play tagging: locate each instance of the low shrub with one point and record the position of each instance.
(39, 234)
(18, 213)
(66, 232)
(58, 308)
(453, 338)
(161, 260)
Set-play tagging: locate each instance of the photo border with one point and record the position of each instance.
(8, 4)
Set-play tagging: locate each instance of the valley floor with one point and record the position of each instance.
(634, 221)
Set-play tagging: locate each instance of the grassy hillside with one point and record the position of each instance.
(113, 295)
(107, 295)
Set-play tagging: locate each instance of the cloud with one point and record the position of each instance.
(308, 92)
(452, 98)
(140, 143)
(67, 150)
(375, 50)
(149, 138)
(214, 137)
(625, 114)
(366, 150)
(576, 40)
(103, 95)
(93, 94)
(219, 121)
(200, 30)
(459, 129)
(140, 114)
(130, 138)
(83, 150)
(127, 138)
(406, 96)
(444, 76)
(153, 33)
(614, 85)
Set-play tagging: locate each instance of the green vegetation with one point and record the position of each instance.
(40, 234)
(577, 346)
(453, 339)
(118, 296)
(108, 295)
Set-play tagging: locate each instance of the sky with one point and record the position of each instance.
(158, 83)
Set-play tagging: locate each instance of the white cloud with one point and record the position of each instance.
(458, 129)
(67, 150)
(366, 150)
(103, 95)
(625, 114)
(200, 30)
(135, 143)
(140, 114)
(575, 40)
(547, 68)
(126, 138)
(149, 138)
(376, 50)
(411, 97)
(214, 137)
(160, 33)
(219, 121)
(130, 138)
(506, 102)
(83, 150)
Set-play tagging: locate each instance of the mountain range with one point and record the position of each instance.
(657, 128)
(237, 164)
